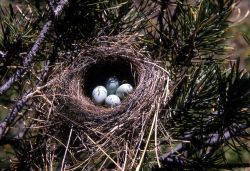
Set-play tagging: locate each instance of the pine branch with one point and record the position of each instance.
(22, 102)
(213, 140)
(218, 104)
(193, 32)
(12, 115)
(60, 6)
(20, 73)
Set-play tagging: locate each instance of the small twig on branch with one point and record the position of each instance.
(21, 72)
(12, 115)
(20, 104)
(214, 140)
(27, 61)
(34, 50)
(66, 150)
(59, 9)
(2, 55)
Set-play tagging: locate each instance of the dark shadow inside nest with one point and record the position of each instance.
(98, 73)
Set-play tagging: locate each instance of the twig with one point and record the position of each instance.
(98, 146)
(2, 55)
(59, 9)
(125, 158)
(20, 73)
(147, 142)
(27, 61)
(66, 150)
(156, 144)
(20, 104)
(12, 115)
(214, 139)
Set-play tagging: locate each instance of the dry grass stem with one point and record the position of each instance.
(118, 136)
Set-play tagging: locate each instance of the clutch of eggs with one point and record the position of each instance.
(112, 93)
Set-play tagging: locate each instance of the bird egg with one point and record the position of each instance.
(99, 95)
(112, 100)
(124, 90)
(112, 84)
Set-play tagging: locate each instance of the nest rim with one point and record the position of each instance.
(119, 127)
(73, 95)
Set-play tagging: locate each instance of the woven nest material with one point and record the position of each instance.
(73, 85)
(69, 95)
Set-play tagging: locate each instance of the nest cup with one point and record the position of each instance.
(67, 99)
(97, 74)
(73, 85)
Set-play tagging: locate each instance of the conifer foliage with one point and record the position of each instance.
(206, 116)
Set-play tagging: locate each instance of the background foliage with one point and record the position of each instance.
(210, 103)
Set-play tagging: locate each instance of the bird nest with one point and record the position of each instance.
(103, 131)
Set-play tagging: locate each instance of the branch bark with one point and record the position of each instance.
(12, 115)
(20, 73)
(22, 102)
(175, 158)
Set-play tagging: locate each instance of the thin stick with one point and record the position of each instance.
(60, 6)
(156, 146)
(125, 158)
(20, 73)
(104, 152)
(17, 108)
(181, 148)
(67, 147)
(146, 146)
